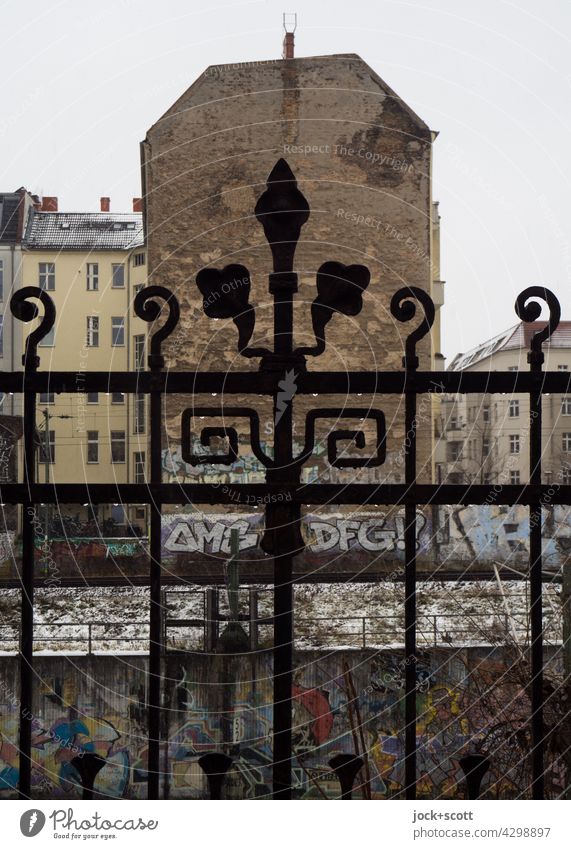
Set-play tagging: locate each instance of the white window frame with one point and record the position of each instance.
(117, 331)
(47, 276)
(114, 267)
(92, 277)
(92, 441)
(92, 331)
(118, 437)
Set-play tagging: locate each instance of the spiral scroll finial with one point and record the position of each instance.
(147, 308)
(403, 308)
(528, 311)
(23, 308)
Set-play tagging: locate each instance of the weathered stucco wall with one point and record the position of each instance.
(361, 158)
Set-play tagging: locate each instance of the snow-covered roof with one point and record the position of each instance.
(517, 337)
(74, 231)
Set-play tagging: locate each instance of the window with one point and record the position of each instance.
(567, 441)
(1, 335)
(566, 406)
(51, 457)
(1, 279)
(92, 331)
(487, 478)
(513, 409)
(485, 445)
(512, 368)
(46, 397)
(117, 276)
(117, 398)
(514, 477)
(117, 331)
(92, 276)
(486, 414)
(49, 339)
(93, 397)
(139, 352)
(139, 423)
(47, 276)
(514, 443)
(562, 367)
(454, 451)
(566, 476)
(139, 466)
(139, 259)
(117, 446)
(92, 446)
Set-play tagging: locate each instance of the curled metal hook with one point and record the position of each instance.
(403, 308)
(528, 310)
(147, 308)
(23, 308)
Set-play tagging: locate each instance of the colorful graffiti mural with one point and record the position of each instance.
(342, 701)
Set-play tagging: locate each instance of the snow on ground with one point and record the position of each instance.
(349, 615)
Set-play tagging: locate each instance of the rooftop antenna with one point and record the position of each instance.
(290, 26)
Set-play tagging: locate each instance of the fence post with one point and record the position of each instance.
(253, 619)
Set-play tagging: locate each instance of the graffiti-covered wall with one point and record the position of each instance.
(342, 701)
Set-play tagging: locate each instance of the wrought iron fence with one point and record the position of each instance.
(282, 211)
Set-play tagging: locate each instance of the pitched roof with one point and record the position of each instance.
(517, 337)
(74, 231)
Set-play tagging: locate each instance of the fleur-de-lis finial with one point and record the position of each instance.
(282, 210)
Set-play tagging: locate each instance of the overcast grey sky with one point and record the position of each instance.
(82, 81)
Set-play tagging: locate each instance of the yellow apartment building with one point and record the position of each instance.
(92, 265)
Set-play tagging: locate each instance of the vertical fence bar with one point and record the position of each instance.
(410, 587)
(529, 310)
(147, 308)
(155, 630)
(403, 308)
(27, 611)
(535, 591)
(282, 522)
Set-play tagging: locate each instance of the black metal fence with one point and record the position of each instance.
(282, 210)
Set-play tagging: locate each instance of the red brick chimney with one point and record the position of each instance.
(49, 204)
(105, 204)
(137, 204)
(288, 46)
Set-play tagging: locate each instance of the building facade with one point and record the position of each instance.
(485, 438)
(92, 265)
(362, 158)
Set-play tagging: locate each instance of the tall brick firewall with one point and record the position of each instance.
(361, 157)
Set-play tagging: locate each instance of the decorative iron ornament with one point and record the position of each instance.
(282, 211)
